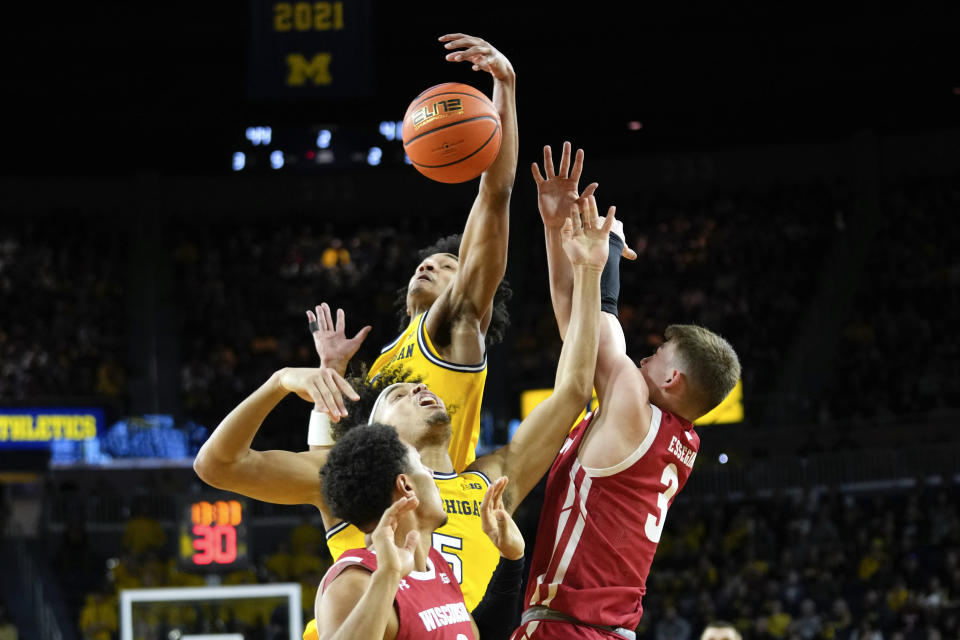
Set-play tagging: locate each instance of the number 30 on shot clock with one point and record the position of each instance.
(213, 534)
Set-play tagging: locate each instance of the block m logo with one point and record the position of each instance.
(316, 70)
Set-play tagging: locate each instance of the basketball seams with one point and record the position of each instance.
(447, 126)
(449, 164)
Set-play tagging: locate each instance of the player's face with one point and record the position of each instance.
(418, 414)
(432, 276)
(657, 369)
(421, 476)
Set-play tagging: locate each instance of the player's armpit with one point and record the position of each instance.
(357, 605)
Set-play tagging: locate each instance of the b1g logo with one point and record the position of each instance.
(439, 109)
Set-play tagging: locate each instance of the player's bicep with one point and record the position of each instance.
(611, 353)
(333, 606)
(280, 477)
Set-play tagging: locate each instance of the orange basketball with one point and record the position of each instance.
(451, 132)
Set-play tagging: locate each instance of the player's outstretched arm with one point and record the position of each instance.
(535, 444)
(557, 195)
(483, 248)
(226, 460)
(358, 605)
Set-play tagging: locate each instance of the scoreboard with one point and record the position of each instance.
(213, 534)
(301, 49)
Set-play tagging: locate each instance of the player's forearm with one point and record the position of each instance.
(231, 440)
(500, 176)
(368, 620)
(578, 357)
(561, 279)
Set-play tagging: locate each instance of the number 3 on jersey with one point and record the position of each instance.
(444, 544)
(654, 525)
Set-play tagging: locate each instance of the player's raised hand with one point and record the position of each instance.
(330, 340)
(323, 386)
(557, 192)
(617, 229)
(393, 558)
(585, 237)
(497, 523)
(480, 53)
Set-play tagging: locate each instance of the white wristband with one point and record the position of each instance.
(319, 432)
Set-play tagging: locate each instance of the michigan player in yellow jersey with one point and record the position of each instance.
(421, 419)
(460, 278)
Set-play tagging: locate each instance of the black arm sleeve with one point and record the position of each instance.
(610, 278)
(497, 614)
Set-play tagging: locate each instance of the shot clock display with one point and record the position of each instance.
(213, 534)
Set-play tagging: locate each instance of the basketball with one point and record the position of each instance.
(451, 132)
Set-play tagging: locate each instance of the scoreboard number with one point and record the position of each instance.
(213, 535)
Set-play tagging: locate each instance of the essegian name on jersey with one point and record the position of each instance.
(443, 615)
(686, 455)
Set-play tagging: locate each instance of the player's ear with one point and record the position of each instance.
(403, 487)
(674, 380)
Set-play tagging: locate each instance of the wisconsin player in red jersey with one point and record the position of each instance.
(609, 490)
(403, 588)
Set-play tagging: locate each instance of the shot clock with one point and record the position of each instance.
(213, 534)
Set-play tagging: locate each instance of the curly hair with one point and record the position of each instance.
(360, 472)
(369, 391)
(500, 319)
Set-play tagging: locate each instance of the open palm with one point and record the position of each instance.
(557, 193)
(586, 235)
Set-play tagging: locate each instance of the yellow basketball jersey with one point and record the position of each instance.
(459, 386)
(461, 541)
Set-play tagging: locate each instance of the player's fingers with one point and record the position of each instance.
(577, 166)
(608, 222)
(345, 387)
(331, 391)
(537, 177)
(567, 229)
(548, 162)
(628, 253)
(327, 317)
(398, 508)
(312, 323)
(322, 397)
(341, 320)
(411, 541)
(565, 161)
(361, 335)
(590, 189)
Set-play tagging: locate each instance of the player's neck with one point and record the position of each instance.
(437, 457)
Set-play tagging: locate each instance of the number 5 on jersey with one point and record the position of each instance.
(444, 544)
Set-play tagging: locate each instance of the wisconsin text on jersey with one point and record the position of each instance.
(443, 615)
(684, 454)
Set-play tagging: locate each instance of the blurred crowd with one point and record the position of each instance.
(748, 263)
(63, 318)
(817, 565)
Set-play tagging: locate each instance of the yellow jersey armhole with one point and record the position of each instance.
(431, 354)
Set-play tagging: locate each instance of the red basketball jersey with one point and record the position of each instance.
(599, 528)
(428, 603)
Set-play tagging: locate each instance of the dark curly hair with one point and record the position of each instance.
(359, 475)
(369, 391)
(500, 319)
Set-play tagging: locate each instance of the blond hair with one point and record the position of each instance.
(707, 360)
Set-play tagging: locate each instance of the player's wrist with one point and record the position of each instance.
(319, 432)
